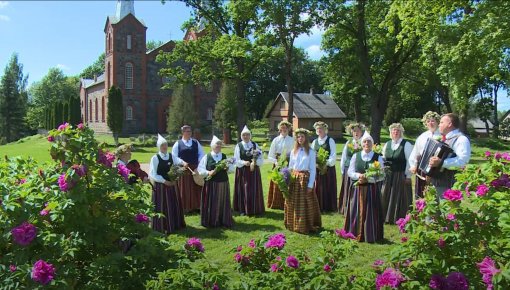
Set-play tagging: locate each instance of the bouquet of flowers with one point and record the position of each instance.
(322, 160)
(175, 172)
(354, 146)
(221, 165)
(377, 148)
(374, 171)
(282, 177)
(255, 153)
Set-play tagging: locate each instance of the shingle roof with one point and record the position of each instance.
(308, 105)
(86, 83)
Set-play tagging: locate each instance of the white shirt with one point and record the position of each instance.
(344, 154)
(365, 157)
(188, 143)
(332, 146)
(419, 146)
(408, 148)
(280, 145)
(121, 162)
(247, 146)
(202, 166)
(153, 166)
(304, 162)
(461, 147)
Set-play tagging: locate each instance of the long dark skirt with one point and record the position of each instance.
(364, 217)
(325, 188)
(248, 196)
(275, 198)
(345, 190)
(302, 212)
(189, 190)
(215, 209)
(397, 196)
(167, 201)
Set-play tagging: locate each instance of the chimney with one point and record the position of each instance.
(311, 91)
(95, 78)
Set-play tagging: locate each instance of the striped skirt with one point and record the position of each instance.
(325, 188)
(167, 201)
(215, 209)
(189, 190)
(248, 196)
(302, 212)
(345, 190)
(275, 198)
(364, 217)
(397, 196)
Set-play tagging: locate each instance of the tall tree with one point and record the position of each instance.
(95, 69)
(281, 22)
(13, 101)
(115, 112)
(182, 109)
(225, 111)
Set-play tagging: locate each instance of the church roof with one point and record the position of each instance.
(87, 83)
(114, 20)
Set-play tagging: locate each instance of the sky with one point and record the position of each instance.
(70, 34)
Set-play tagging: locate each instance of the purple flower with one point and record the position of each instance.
(286, 174)
(24, 234)
(51, 138)
(80, 170)
(390, 277)
(64, 126)
(105, 158)
(141, 218)
(455, 226)
(44, 212)
(404, 239)
(238, 257)
(450, 217)
(43, 272)
(239, 248)
(251, 244)
(327, 268)
(12, 268)
(487, 154)
(441, 243)
(488, 269)
(215, 287)
(502, 181)
(497, 156)
(194, 243)
(402, 222)
(64, 184)
(274, 267)
(22, 181)
(292, 262)
(437, 282)
(457, 281)
(276, 241)
(482, 190)
(377, 263)
(123, 171)
(453, 195)
(506, 156)
(80, 126)
(278, 258)
(420, 204)
(344, 234)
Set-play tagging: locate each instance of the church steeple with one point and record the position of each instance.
(124, 7)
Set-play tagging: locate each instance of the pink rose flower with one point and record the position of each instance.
(24, 234)
(327, 268)
(420, 204)
(43, 272)
(402, 222)
(482, 190)
(453, 195)
(142, 218)
(251, 244)
(488, 269)
(274, 267)
(276, 241)
(441, 242)
(63, 126)
(344, 234)
(194, 243)
(450, 217)
(292, 262)
(389, 278)
(12, 268)
(51, 139)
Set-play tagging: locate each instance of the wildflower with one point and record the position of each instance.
(497, 156)
(487, 154)
(390, 277)
(44, 212)
(63, 184)
(402, 222)
(450, 217)
(457, 281)
(80, 126)
(238, 257)
(276, 241)
(488, 269)
(239, 248)
(404, 239)
(292, 262)
(215, 287)
(437, 282)
(64, 126)
(141, 218)
(482, 190)
(327, 268)
(274, 267)
(194, 243)
(51, 139)
(12, 268)
(344, 234)
(80, 170)
(24, 234)
(43, 272)
(123, 171)
(452, 195)
(251, 244)
(420, 204)
(377, 263)
(441, 242)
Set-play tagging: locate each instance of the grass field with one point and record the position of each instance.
(219, 242)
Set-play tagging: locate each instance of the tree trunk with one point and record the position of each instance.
(241, 96)
(357, 108)
(226, 136)
(487, 129)
(463, 116)
(445, 96)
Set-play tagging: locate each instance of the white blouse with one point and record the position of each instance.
(332, 146)
(344, 153)
(365, 157)
(247, 146)
(304, 162)
(153, 166)
(202, 166)
(419, 146)
(279, 145)
(408, 148)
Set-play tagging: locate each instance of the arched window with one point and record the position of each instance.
(129, 76)
(102, 110)
(97, 110)
(90, 110)
(129, 113)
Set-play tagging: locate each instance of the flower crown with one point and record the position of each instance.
(320, 124)
(397, 126)
(351, 126)
(430, 115)
(123, 149)
(302, 131)
(285, 123)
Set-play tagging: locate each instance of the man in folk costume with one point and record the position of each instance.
(248, 195)
(364, 217)
(282, 144)
(431, 122)
(397, 193)
(448, 127)
(215, 209)
(165, 194)
(189, 150)
(351, 147)
(325, 181)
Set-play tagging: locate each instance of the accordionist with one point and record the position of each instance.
(448, 127)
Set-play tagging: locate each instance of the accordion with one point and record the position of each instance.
(434, 148)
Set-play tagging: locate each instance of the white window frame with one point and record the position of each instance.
(129, 113)
(129, 76)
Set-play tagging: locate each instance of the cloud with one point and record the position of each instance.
(3, 4)
(313, 39)
(62, 66)
(314, 52)
(4, 18)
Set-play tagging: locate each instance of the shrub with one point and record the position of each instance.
(412, 126)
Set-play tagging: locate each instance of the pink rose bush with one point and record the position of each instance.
(43, 272)
(24, 234)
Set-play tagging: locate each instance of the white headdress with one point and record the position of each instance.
(160, 141)
(215, 141)
(366, 136)
(245, 130)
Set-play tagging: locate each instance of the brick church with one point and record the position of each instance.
(129, 66)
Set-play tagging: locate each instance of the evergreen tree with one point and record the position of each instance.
(115, 112)
(225, 112)
(13, 101)
(182, 109)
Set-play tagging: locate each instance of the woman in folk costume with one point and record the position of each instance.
(364, 217)
(248, 196)
(351, 147)
(123, 154)
(189, 150)
(397, 194)
(281, 145)
(165, 194)
(215, 209)
(302, 213)
(325, 181)
(431, 122)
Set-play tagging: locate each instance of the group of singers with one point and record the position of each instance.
(367, 202)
